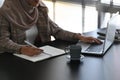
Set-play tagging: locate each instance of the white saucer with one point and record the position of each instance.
(81, 57)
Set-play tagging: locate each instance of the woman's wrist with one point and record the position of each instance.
(79, 36)
(18, 49)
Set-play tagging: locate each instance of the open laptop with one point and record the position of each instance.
(95, 49)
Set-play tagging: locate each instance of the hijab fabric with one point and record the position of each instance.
(20, 13)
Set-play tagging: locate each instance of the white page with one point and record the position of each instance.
(52, 51)
(35, 58)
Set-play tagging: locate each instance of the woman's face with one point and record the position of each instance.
(34, 3)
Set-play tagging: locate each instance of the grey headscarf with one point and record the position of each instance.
(19, 13)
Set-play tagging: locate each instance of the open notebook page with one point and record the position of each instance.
(49, 51)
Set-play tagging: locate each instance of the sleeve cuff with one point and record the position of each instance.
(18, 49)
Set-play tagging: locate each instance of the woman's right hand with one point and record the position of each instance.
(30, 51)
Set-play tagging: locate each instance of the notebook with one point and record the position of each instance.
(95, 49)
(49, 51)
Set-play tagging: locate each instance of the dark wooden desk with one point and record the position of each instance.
(58, 68)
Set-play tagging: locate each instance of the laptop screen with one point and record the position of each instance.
(110, 34)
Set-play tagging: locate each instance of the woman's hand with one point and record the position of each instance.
(88, 39)
(30, 51)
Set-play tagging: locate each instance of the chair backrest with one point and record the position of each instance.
(31, 34)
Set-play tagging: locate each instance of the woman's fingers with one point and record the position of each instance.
(30, 51)
(91, 40)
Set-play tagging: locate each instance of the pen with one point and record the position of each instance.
(30, 44)
(35, 47)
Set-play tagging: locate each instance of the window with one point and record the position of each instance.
(69, 16)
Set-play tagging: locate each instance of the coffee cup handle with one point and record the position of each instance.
(67, 50)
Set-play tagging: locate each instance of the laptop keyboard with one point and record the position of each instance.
(95, 48)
